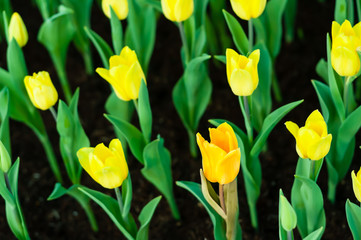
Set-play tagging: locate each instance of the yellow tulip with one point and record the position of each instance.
(177, 10)
(312, 140)
(125, 74)
(107, 166)
(221, 157)
(17, 30)
(345, 42)
(356, 184)
(41, 90)
(242, 72)
(120, 7)
(247, 9)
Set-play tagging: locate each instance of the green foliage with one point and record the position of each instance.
(353, 214)
(104, 50)
(239, 37)
(144, 112)
(4, 119)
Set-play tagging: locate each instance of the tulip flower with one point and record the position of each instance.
(242, 72)
(5, 161)
(356, 184)
(125, 74)
(312, 140)
(41, 90)
(345, 42)
(221, 157)
(17, 30)
(177, 10)
(120, 7)
(246, 9)
(107, 166)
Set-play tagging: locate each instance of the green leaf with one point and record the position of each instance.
(117, 32)
(104, 51)
(221, 58)
(218, 222)
(111, 207)
(15, 222)
(127, 195)
(269, 123)
(290, 19)
(353, 214)
(145, 112)
(340, 11)
(157, 170)
(16, 65)
(134, 137)
(282, 233)
(239, 37)
(307, 201)
(322, 69)
(4, 119)
(287, 214)
(145, 216)
(315, 235)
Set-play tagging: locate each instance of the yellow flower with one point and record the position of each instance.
(107, 166)
(125, 74)
(17, 30)
(120, 7)
(41, 90)
(177, 10)
(345, 41)
(221, 157)
(242, 73)
(356, 184)
(247, 9)
(312, 140)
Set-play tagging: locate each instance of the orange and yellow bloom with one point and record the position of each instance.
(345, 42)
(120, 7)
(17, 30)
(125, 74)
(356, 184)
(312, 140)
(107, 166)
(242, 72)
(221, 157)
(177, 10)
(246, 9)
(41, 90)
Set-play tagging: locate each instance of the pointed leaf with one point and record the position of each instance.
(353, 214)
(145, 112)
(104, 51)
(239, 37)
(145, 216)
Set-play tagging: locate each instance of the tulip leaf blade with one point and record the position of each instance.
(111, 208)
(157, 170)
(4, 119)
(145, 217)
(269, 123)
(127, 195)
(353, 214)
(117, 31)
(133, 136)
(281, 231)
(104, 50)
(195, 189)
(239, 37)
(315, 235)
(341, 11)
(145, 112)
(16, 64)
(307, 200)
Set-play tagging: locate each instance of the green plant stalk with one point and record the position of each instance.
(331, 191)
(250, 35)
(253, 213)
(246, 115)
(53, 112)
(60, 69)
(290, 235)
(44, 139)
(221, 198)
(192, 143)
(346, 93)
(312, 171)
(88, 60)
(184, 42)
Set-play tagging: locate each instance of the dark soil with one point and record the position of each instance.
(64, 218)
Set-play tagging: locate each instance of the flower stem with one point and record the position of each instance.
(221, 198)
(346, 93)
(250, 35)
(120, 200)
(184, 42)
(53, 112)
(312, 170)
(246, 115)
(289, 235)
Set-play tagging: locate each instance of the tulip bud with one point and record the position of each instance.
(312, 140)
(288, 215)
(177, 10)
(221, 157)
(107, 166)
(242, 72)
(17, 30)
(345, 42)
(120, 7)
(41, 90)
(125, 74)
(246, 9)
(356, 184)
(5, 160)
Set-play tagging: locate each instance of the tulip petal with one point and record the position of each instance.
(306, 138)
(257, 7)
(108, 177)
(116, 147)
(183, 10)
(241, 8)
(133, 80)
(228, 167)
(255, 55)
(316, 122)
(345, 61)
(104, 73)
(214, 154)
(320, 149)
(168, 9)
(293, 128)
(335, 29)
(346, 28)
(232, 60)
(357, 29)
(356, 185)
(224, 137)
(241, 82)
(206, 164)
(84, 155)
